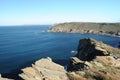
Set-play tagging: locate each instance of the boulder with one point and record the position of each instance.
(44, 69)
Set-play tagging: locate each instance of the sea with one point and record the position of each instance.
(20, 46)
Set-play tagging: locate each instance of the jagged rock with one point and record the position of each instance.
(1, 78)
(44, 69)
(77, 65)
(95, 61)
(89, 48)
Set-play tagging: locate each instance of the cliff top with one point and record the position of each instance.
(112, 29)
(90, 26)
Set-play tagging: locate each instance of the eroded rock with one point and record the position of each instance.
(44, 69)
(89, 48)
(95, 61)
(77, 65)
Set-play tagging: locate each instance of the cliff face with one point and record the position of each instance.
(94, 61)
(94, 28)
(88, 49)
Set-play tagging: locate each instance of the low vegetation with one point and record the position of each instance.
(110, 29)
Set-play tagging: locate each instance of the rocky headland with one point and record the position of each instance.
(110, 29)
(94, 61)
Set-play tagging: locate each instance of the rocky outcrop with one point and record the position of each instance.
(44, 69)
(89, 48)
(112, 29)
(1, 78)
(95, 61)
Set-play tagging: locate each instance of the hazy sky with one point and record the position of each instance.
(15, 12)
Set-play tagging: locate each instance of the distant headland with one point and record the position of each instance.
(111, 29)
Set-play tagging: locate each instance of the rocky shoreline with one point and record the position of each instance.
(93, 61)
(108, 29)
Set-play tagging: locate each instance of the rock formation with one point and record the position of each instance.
(95, 61)
(112, 29)
(88, 49)
(44, 69)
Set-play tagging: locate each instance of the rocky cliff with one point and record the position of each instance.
(89, 48)
(85, 27)
(94, 61)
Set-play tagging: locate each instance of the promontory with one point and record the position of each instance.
(112, 29)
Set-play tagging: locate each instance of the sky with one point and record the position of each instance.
(26, 12)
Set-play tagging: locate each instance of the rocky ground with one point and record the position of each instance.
(110, 29)
(94, 61)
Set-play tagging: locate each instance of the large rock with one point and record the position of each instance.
(95, 61)
(89, 48)
(44, 69)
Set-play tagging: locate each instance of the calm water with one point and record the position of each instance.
(20, 46)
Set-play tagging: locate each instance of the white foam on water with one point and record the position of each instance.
(73, 52)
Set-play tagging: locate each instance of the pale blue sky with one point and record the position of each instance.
(19, 12)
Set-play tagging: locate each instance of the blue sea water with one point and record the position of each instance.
(23, 45)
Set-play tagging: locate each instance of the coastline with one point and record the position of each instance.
(86, 33)
(107, 29)
(93, 60)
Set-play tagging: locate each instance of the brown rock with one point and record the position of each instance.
(89, 48)
(44, 69)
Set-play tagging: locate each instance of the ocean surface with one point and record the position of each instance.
(20, 46)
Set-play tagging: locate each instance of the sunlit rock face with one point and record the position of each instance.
(44, 69)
